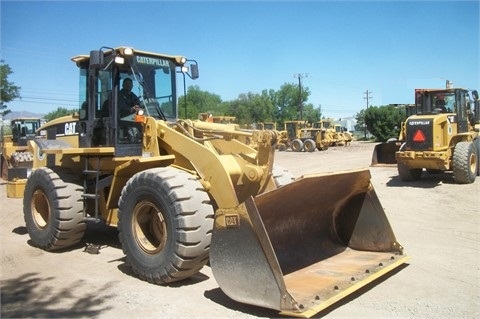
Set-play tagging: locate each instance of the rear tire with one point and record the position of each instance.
(297, 145)
(465, 163)
(53, 210)
(165, 224)
(408, 174)
(477, 146)
(309, 145)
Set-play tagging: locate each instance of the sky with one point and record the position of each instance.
(342, 49)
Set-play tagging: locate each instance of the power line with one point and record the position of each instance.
(47, 99)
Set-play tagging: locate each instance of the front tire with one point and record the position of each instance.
(53, 210)
(297, 145)
(465, 163)
(309, 145)
(165, 224)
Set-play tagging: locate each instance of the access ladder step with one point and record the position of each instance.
(92, 196)
(91, 172)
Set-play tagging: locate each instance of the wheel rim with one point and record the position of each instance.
(309, 147)
(40, 209)
(473, 163)
(149, 227)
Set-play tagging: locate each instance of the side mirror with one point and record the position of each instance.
(194, 70)
(83, 114)
(96, 58)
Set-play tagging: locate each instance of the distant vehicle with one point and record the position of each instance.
(16, 160)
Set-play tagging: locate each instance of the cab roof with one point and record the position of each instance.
(177, 59)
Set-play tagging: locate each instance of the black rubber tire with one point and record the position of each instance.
(297, 145)
(408, 174)
(53, 210)
(282, 176)
(165, 224)
(477, 146)
(465, 163)
(309, 145)
(4, 168)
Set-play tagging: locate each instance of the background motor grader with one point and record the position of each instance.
(300, 136)
(184, 192)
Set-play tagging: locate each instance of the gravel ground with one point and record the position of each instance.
(436, 220)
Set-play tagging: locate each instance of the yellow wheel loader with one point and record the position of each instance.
(184, 192)
(442, 135)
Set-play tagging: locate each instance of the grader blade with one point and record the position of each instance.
(304, 246)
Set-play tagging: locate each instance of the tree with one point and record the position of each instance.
(9, 91)
(286, 101)
(360, 117)
(59, 112)
(310, 113)
(198, 101)
(251, 108)
(384, 122)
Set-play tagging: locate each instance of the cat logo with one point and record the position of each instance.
(70, 128)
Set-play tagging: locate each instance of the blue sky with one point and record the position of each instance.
(386, 47)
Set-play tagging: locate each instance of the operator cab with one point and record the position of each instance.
(24, 130)
(102, 74)
(454, 101)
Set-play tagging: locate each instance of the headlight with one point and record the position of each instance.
(127, 51)
(119, 60)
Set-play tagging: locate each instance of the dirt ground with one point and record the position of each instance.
(436, 220)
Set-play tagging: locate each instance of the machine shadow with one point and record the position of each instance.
(427, 180)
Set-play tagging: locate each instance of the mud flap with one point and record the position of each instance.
(384, 153)
(304, 246)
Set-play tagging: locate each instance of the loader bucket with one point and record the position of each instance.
(304, 246)
(384, 153)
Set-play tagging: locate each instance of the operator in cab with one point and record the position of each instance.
(128, 102)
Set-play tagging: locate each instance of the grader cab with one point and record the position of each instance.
(184, 192)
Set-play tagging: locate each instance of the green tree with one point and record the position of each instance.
(251, 108)
(384, 122)
(287, 103)
(311, 113)
(59, 112)
(198, 101)
(9, 91)
(360, 117)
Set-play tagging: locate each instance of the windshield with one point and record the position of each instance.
(154, 83)
(435, 101)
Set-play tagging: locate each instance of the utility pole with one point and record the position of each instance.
(300, 76)
(366, 97)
